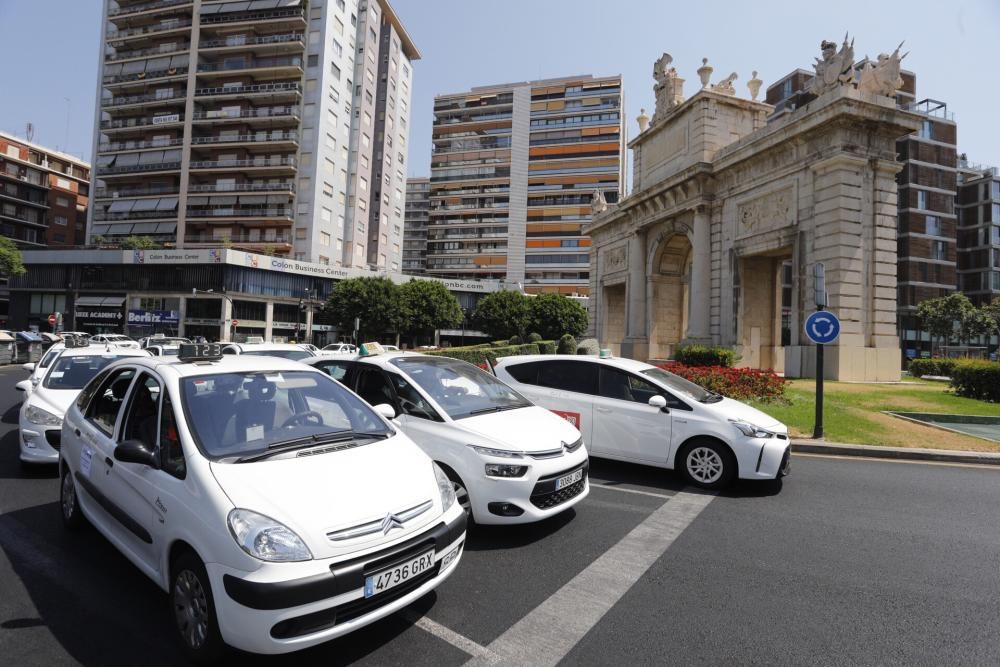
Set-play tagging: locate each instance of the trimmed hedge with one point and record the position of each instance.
(546, 347)
(567, 345)
(481, 356)
(976, 378)
(705, 355)
(534, 338)
(918, 368)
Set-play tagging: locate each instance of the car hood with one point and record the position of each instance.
(531, 429)
(322, 493)
(729, 408)
(56, 401)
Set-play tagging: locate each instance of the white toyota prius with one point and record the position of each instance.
(632, 411)
(510, 460)
(47, 400)
(275, 507)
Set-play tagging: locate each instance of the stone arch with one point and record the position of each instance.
(668, 273)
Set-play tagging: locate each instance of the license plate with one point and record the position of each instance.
(399, 574)
(571, 478)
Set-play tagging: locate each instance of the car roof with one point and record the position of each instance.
(616, 362)
(266, 346)
(227, 364)
(381, 359)
(100, 350)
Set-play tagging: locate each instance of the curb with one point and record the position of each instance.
(900, 453)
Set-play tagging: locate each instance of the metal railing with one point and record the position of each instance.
(139, 168)
(109, 193)
(144, 76)
(262, 88)
(136, 145)
(136, 122)
(253, 41)
(134, 215)
(265, 15)
(265, 112)
(242, 187)
(247, 138)
(139, 53)
(108, 102)
(241, 238)
(144, 6)
(256, 63)
(236, 212)
(252, 162)
(119, 35)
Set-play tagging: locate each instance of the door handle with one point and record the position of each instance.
(109, 461)
(604, 410)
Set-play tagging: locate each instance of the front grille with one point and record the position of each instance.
(54, 438)
(782, 436)
(548, 454)
(544, 501)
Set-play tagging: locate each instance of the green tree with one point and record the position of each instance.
(992, 311)
(11, 263)
(553, 315)
(952, 316)
(427, 305)
(374, 301)
(975, 322)
(503, 314)
(139, 243)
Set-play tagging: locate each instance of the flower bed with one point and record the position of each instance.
(738, 383)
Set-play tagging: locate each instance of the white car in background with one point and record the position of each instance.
(510, 461)
(36, 369)
(274, 507)
(43, 409)
(282, 350)
(632, 411)
(339, 348)
(114, 340)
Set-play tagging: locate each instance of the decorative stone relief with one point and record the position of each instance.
(726, 85)
(669, 88)
(615, 259)
(883, 76)
(754, 85)
(771, 211)
(835, 68)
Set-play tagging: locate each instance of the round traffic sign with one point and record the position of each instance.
(822, 327)
(52, 319)
(236, 323)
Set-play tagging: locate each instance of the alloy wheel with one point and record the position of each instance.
(705, 465)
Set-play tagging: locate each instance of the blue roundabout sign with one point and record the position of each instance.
(822, 327)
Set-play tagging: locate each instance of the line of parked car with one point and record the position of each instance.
(283, 497)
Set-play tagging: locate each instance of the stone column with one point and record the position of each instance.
(699, 295)
(636, 343)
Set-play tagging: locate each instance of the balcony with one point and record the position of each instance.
(153, 5)
(147, 99)
(256, 11)
(143, 71)
(131, 123)
(116, 193)
(290, 138)
(283, 163)
(216, 241)
(267, 115)
(265, 42)
(141, 53)
(136, 163)
(283, 213)
(287, 89)
(117, 146)
(288, 188)
(290, 66)
(142, 31)
(125, 228)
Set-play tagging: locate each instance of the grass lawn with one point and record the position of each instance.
(853, 414)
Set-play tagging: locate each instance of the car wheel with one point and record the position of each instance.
(194, 610)
(69, 504)
(708, 464)
(461, 493)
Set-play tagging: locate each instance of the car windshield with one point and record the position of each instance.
(294, 355)
(461, 389)
(680, 385)
(246, 414)
(75, 372)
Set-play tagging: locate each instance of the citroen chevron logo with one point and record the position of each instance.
(390, 522)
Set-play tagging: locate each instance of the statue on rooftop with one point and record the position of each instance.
(883, 76)
(835, 68)
(726, 85)
(598, 204)
(669, 88)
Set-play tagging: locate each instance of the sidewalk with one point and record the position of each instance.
(803, 446)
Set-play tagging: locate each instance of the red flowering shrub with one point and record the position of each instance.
(738, 383)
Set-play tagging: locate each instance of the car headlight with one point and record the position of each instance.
(499, 453)
(505, 470)
(42, 417)
(264, 538)
(445, 487)
(751, 430)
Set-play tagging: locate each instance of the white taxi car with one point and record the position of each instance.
(37, 369)
(632, 411)
(45, 406)
(510, 461)
(282, 350)
(114, 340)
(276, 508)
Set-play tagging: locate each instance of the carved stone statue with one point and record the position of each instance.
(598, 204)
(883, 76)
(705, 73)
(669, 88)
(754, 85)
(835, 68)
(726, 85)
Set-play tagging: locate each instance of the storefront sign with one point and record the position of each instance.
(206, 256)
(171, 317)
(170, 118)
(286, 325)
(98, 314)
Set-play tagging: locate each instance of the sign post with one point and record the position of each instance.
(822, 327)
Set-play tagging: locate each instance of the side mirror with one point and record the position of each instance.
(386, 411)
(30, 367)
(136, 451)
(658, 402)
(22, 385)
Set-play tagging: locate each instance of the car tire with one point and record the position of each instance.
(193, 610)
(707, 464)
(461, 493)
(69, 503)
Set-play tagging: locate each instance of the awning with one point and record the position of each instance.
(112, 70)
(166, 227)
(179, 61)
(128, 159)
(145, 205)
(157, 64)
(234, 7)
(277, 199)
(222, 200)
(144, 228)
(253, 199)
(210, 9)
(106, 160)
(263, 4)
(172, 155)
(289, 3)
(167, 204)
(100, 301)
(122, 206)
(197, 201)
(100, 229)
(152, 157)
(134, 67)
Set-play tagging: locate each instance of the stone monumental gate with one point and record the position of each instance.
(732, 206)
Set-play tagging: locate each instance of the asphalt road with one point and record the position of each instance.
(847, 562)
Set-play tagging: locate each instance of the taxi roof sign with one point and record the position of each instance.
(199, 352)
(371, 349)
(73, 342)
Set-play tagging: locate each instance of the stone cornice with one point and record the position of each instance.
(702, 94)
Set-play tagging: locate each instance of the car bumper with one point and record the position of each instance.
(771, 459)
(267, 612)
(39, 444)
(534, 496)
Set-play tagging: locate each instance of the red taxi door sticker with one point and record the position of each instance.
(572, 417)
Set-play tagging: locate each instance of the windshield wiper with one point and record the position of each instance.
(483, 411)
(283, 446)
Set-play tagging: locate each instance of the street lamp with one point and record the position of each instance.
(232, 307)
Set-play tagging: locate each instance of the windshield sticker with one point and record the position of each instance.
(255, 433)
(57, 374)
(86, 456)
(572, 417)
(276, 378)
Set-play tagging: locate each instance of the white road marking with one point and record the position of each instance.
(611, 487)
(946, 464)
(455, 639)
(553, 628)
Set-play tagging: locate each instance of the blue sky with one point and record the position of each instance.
(467, 43)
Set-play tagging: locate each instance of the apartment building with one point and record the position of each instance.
(43, 194)
(418, 204)
(229, 124)
(927, 242)
(513, 171)
(978, 209)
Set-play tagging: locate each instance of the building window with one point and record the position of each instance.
(338, 25)
(933, 225)
(312, 61)
(939, 250)
(324, 239)
(326, 215)
(926, 130)
(335, 71)
(327, 189)
(921, 200)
